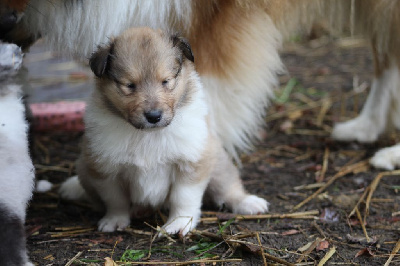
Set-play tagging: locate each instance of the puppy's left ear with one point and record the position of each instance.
(184, 46)
(100, 60)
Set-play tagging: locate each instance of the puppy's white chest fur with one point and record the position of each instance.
(150, 186)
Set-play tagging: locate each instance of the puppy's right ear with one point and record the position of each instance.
(100, 60)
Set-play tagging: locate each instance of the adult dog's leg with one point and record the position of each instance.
(382, 101)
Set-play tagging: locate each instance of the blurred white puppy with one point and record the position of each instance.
(16, 169)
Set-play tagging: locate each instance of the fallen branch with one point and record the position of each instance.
(393, 253)
(374, 185)
(327, 256)
(344, 171)
(296, 215)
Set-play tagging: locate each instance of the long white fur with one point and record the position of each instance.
(237, 103)
(16, 169)
(78, 27)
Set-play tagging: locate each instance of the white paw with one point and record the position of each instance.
(110, 223)
(43, 186)
(387, 158)
(71, 189)
(181, 225)
(251, 204)
(360, 129)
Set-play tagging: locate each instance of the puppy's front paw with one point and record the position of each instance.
(251, 204)
(110, 223)
(180, 225)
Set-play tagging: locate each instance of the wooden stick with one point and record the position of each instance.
(374, 185)
(344, 171)
(177, 262)
(359, 202)
(393, 253)
(327, 256)
(362, 225)
(74, 258)
(296, 215)
(262, 250)
(321, 177)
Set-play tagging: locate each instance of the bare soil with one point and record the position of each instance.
(296, 151)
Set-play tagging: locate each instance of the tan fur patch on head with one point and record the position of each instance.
(145, 77)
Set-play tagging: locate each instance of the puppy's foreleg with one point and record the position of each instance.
(185, 204)
(117, 204)
(226, 188)
(105, 190)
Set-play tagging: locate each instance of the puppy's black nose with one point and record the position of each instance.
(153, 116)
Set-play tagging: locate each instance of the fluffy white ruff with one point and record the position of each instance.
(387, 158)
(16, 169)
(78, 27)
(381, 105)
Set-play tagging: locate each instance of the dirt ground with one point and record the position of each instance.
(296, 159)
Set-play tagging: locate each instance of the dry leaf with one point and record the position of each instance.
(365, 252)
(290, 232)
(322, 245)
(109, 262)
(252, 249)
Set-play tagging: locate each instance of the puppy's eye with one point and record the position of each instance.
(131, 86)
(165, 82)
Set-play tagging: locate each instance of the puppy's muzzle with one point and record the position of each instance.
(153, 116)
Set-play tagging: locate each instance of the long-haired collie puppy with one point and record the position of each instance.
(148, 141)
(236, 45)
(16, 169)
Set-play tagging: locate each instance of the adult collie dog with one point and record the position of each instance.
(235, 43)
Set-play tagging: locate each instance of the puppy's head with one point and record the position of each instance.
(143, 76)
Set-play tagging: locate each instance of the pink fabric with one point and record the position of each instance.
(58, 116)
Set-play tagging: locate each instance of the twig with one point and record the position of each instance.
(177, 262)
(327, 256)
(309, 249)
(311, 105)
(262, 250)
(296, 215)
(344, 171)
(321, 177)
(362, 198)
(314, 223)
(324, 109)
(374, 185)
(393, 253)
(74, 258)
(362, 225)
